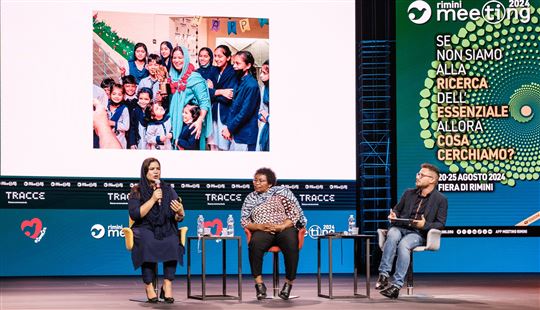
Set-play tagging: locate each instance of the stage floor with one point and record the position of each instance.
(434, 291)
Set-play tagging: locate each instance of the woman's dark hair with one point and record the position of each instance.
(176, 48)
(143, 187)
(247, 57)
(267, 62)
(168, 44)
(207, 49)
(210, 55)
(140, 45)
(170, 47)
(226, 50)
(145, 90)
(270, 175)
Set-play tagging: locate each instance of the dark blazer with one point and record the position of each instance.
(434, 207)
(242, 121)
(187, 140)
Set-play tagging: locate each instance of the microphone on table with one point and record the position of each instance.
(158, 185)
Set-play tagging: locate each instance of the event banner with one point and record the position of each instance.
(467, 99)
(468, 89)
(68, 242)
(196, 194)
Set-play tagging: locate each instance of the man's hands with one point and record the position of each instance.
(419, 223)
(392, 215)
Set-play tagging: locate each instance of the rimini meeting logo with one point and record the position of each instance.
(419, 12)
(493, 11)
(98, 231)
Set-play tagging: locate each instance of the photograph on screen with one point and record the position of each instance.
(180, 83)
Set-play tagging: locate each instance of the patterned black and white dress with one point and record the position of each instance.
(272, 207)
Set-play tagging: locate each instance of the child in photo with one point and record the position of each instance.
(151, 81)
(186, 140)
(158, 132)
(106, 84)
(137, 130)
(118, 114)
(130, 91)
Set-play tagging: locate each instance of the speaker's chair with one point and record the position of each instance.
(276, 250)
(128, 237)
(433, 243)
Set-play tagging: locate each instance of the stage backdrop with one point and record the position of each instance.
(71, 227)
(63, 203)
(468, 95)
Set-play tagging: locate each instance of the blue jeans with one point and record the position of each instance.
(402, 241)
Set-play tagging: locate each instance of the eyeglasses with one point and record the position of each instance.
(421, 175)
(259, 181)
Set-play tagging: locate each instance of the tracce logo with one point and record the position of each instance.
(419, 6)
(97, 231)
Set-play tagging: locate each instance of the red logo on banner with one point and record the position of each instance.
(215, 225)
(34, 226)
(33, 229)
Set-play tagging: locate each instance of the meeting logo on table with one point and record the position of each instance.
(33, 229)
(98, 231)
(315, 231)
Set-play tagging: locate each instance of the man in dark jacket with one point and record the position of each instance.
(425, 208)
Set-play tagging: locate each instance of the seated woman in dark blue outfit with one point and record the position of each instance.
(156, 211)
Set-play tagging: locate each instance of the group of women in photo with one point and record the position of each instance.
(164, 102)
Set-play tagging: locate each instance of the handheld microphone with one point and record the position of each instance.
(158, 185)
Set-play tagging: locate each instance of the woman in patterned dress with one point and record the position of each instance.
(273, 215)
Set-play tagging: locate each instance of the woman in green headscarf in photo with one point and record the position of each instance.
(188, 87)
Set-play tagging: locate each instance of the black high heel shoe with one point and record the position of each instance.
(260, 288)
(168, 300)
(153, 300)
(285, 291)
